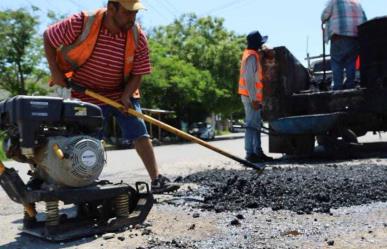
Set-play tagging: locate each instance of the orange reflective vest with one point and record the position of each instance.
(242, 80)
(70, 58)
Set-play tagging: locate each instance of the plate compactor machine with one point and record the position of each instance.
(56, 137)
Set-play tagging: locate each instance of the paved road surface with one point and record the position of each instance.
(170, 225)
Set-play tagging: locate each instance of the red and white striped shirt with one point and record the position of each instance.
(103, 71)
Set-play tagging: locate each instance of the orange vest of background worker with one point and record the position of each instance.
(250, 89)
(243, 89)
(71, 57)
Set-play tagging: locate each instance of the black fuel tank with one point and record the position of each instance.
(29, 117)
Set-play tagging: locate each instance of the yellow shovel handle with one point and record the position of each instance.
(171, 129)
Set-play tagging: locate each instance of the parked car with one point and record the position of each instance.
(317, 73)
(202, 130)
(237, 126)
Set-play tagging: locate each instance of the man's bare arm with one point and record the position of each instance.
(133, 84)
(57, 75)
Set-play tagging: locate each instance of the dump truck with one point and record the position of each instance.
(299, 114)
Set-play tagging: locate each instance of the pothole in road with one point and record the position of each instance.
(302, 190)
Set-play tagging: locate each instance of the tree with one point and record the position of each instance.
(177, 85)
(21, 53)
(206, 45)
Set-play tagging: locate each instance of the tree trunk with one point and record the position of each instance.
(22, 89)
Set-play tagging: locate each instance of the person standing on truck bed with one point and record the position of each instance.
(107, 52)
(250, 88)
(342, 17)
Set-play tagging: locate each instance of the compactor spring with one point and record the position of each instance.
(52, 213)
(122, 205)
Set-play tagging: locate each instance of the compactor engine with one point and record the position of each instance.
(59, 140)
(56, 137)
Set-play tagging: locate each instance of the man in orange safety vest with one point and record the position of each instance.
(250, 89)
(107, 52)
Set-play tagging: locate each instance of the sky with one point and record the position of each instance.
(294, 24)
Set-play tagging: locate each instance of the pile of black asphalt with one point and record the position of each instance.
(300, 189)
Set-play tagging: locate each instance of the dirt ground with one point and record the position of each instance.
(214, 209)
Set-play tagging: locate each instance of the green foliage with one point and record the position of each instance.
(178, 85)
(55, 17)
(3, 157)
(196, 61)
(2, 153)
(21, 53)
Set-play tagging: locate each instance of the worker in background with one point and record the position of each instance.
(342, 17)
(250, 89)
(107, 52)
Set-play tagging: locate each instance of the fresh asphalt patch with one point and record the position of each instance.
(317, 188)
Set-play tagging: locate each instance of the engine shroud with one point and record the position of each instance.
(84, 159)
